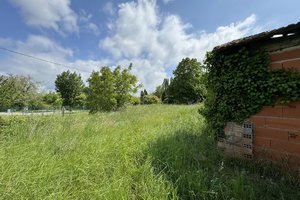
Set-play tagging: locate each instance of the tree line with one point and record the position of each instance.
(107, 90)
(186, 86)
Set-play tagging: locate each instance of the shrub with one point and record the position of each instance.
(135, 100)
(150, 99)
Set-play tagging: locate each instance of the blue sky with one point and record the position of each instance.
(153, 35)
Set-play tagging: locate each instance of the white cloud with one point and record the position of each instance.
(54, 14)
(154, 42)
(85, 20)
(140, 33)
(109, 8)
(93, 28)
(43, 72)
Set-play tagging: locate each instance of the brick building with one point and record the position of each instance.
(274, 132)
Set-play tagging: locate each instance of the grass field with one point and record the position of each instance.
(144, 152)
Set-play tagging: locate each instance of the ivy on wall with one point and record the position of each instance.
(240, 83)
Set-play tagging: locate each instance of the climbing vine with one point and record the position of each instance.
(240, 83)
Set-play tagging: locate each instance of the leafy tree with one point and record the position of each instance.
(158, 91)
(52, 99)
(143, 94)
(125, 84)
(165, 91)
(187, 86)
(101, 94)
(162, 91)
(16, 91)
(69, 85)
(80, 100)
(37, 103)
(110, 90)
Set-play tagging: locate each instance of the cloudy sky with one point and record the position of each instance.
(154, 35)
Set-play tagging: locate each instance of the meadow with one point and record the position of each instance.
(143, 152)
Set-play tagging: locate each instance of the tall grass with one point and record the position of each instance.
(144, 152)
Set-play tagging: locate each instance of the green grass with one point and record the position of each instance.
(144, 152)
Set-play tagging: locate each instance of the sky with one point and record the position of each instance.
(154, 35)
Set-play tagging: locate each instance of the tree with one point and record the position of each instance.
(162, 91)
(80, 100)
(36, 102)
(158, 91)
(16, 91)
(165, 91)
(110, 90)
(125, 84)
(143, 94)
(52, 99)
(187, 86)
(69, 85)
(101, 94)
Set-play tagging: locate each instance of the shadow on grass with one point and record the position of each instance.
(189, 160)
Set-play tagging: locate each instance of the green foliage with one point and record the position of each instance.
(110, 90)
(16, 91)
(150, 99)
(162, 91)
(52, 99)
(102, 95)
(37, 103)
(158, 91)
(239, 84)
(187, 85)
(69, 85)
(135, 100)
(143, 94)
(125, 84)
(80, 100)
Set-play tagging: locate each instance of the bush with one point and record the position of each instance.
(135, 100)
(150, 99)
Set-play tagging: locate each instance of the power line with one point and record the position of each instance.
(33, 57)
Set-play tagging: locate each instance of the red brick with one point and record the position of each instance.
(258, 121)
(276, 66)
(283, 123)
(284, 146)
(291, 159)
(293, 64)
(272, 133)
(262, 153)
(294, 136)
(280, 157)
(292, 54)
(290, 112)
(294, 104)
(294, 160)
(272, 111)
(262, 142)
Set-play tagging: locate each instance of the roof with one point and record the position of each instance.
(290, 29)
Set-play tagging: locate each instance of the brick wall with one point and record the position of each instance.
(277, 129)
